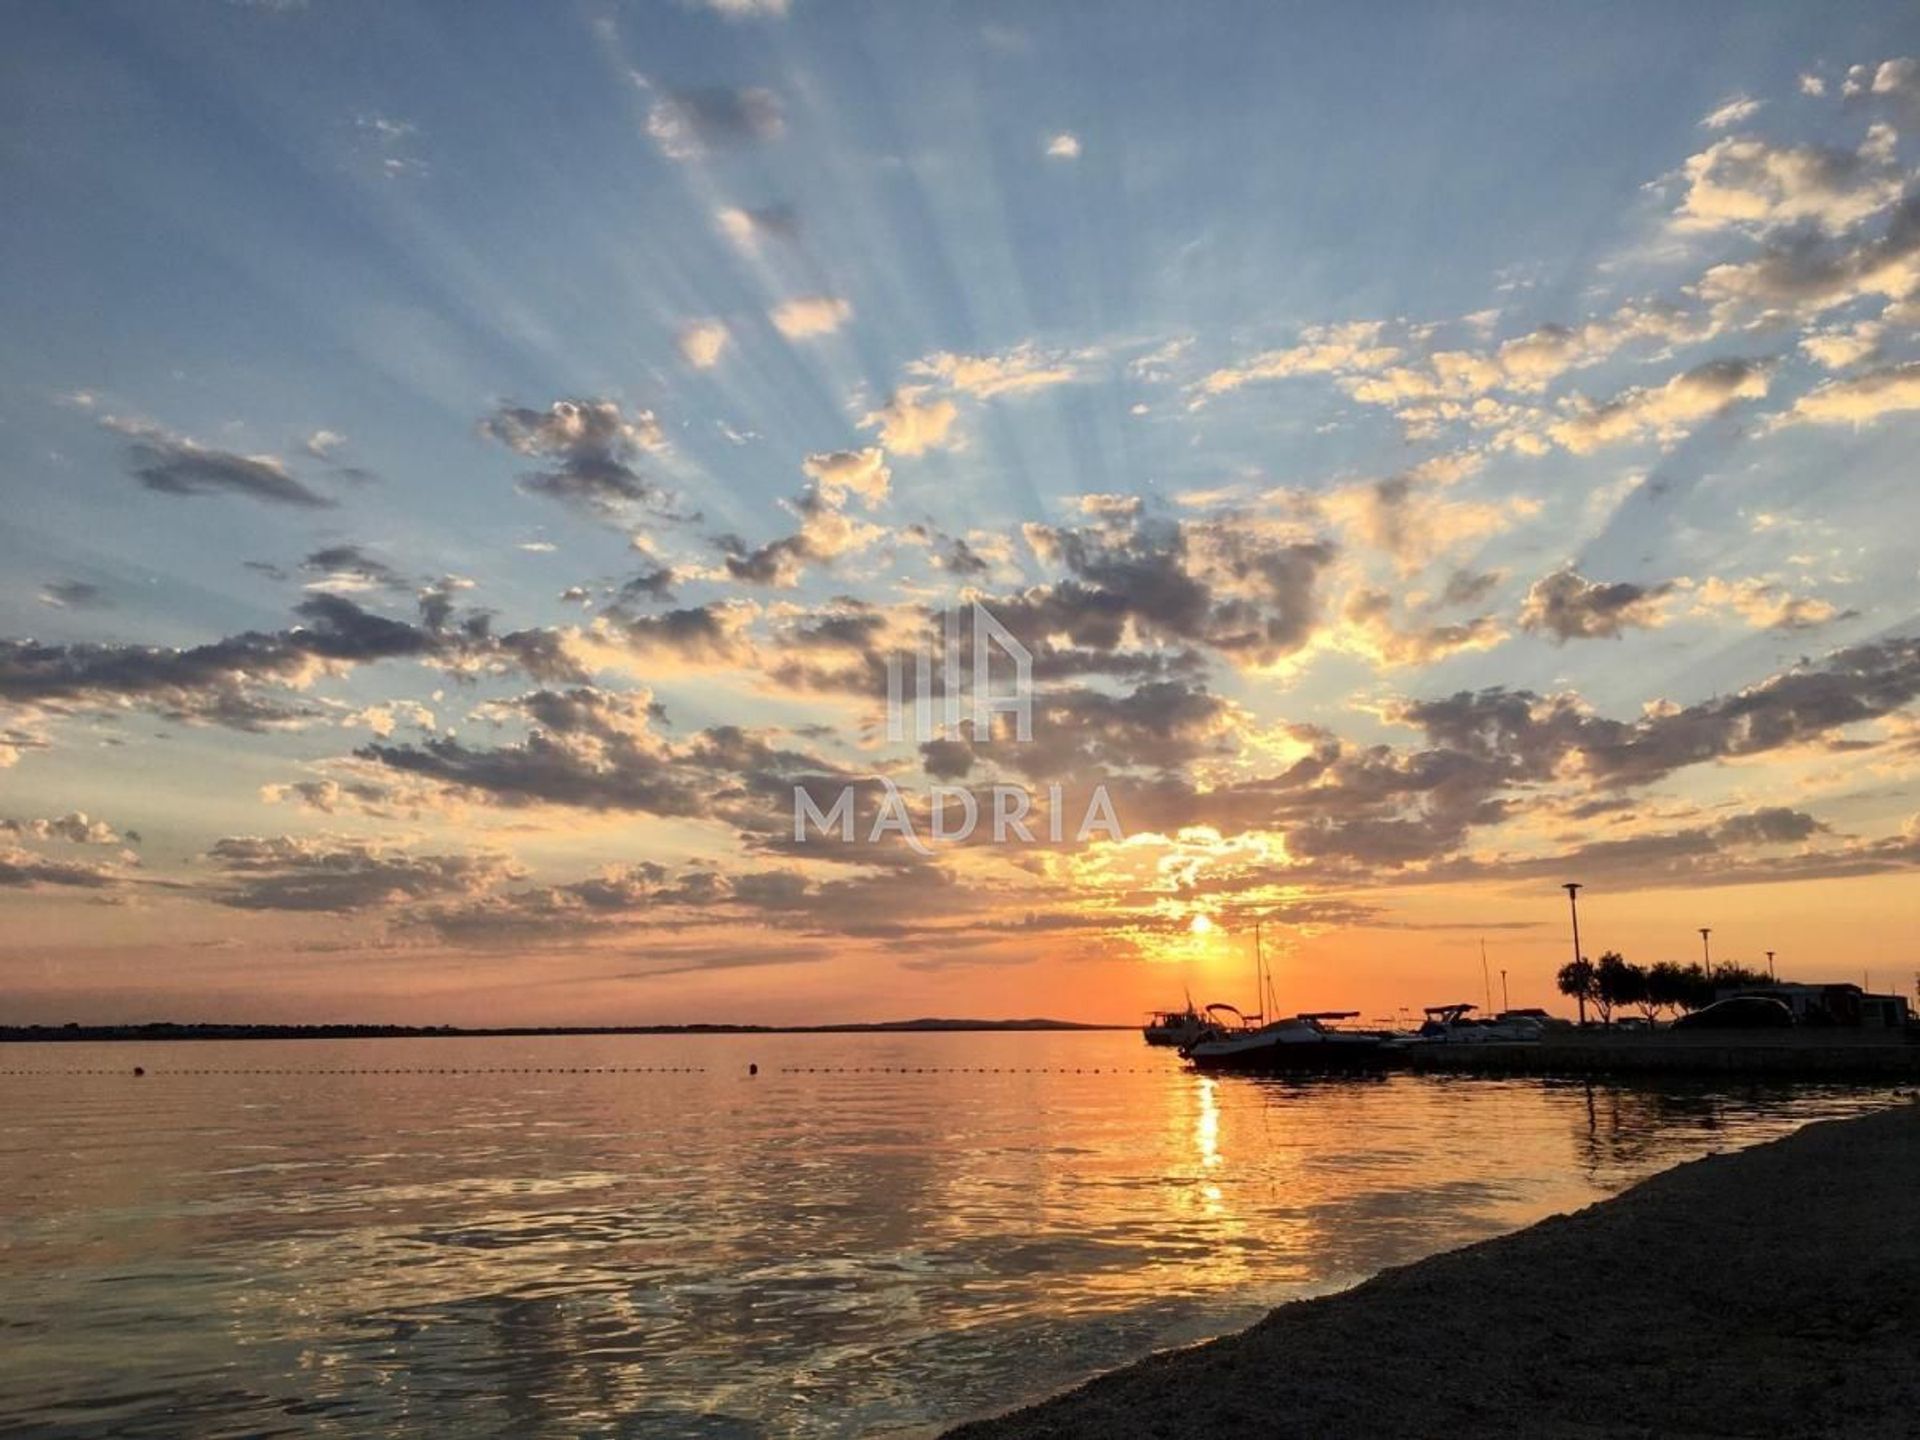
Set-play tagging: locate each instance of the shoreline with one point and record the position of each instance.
(1773, 1291)
(169, 1031)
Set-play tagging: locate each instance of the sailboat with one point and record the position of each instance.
(1307, 1041)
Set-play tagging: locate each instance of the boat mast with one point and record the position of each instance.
(1259, 976)
(1263, 979)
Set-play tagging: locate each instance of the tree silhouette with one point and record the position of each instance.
(1670, 987)
(1740, 977)
(1616, 983)
(1576, 980)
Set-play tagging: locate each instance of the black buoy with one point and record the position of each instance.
(139, 1070)
(753, 1069)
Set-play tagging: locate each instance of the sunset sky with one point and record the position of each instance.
(464, 466)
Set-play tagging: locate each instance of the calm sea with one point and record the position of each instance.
(875, 1234)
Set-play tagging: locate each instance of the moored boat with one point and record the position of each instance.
(1302, 1042)
(1453, 1025)
(1175, 1028)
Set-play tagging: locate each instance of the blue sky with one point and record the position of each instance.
(1476, 352)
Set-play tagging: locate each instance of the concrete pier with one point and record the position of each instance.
(1785, 1055)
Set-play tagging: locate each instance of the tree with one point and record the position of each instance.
(1631, 985)
(1740, 977)
(1616, 983)
(1696, 988)
(1669, 988)
(1576, 980)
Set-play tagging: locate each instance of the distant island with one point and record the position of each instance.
(206, 1030)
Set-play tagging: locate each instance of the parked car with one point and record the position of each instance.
(1742, 1012)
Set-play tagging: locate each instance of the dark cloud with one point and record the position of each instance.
(437, 605)
(74, 595)
(548, 770)
(1469, 587)
(1772, 825)
(624, 898)
(1356, 813)
(222, 682)
(700, 634)
(596, 750)
(947, 759)
(957, 557)
(951, 553)
(331, 797)
(825, 531)
(778, 562)
(1072, 633)
(1528, 736)
(352, 565)
(341, 876)
(687, 123)
(1700, 856)
(654, 584)
(1162, 725)
(76, 828)
(594, 448)
(1807, 272)
(542, 770)
(23, 870)
(1231, 587)
(1567, 606)
(175, 465)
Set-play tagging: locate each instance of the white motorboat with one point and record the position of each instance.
(1302, 1042)
(1453, 1025)
(1176, 1028)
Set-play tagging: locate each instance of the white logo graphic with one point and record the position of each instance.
(941, 721)
(962, 706)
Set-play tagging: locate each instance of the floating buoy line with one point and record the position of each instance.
(397, 1070)
(753, 1069)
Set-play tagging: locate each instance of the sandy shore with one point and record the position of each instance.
(1773, 1292)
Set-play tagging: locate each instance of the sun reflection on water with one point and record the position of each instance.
(877, 1234)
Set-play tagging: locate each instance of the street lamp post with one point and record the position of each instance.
(1573, 887)
(1706, 950)
(1770, 974)
(1505, 1003)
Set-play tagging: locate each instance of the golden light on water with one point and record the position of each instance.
(1206, 1128)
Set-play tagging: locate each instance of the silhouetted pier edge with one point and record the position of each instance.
(1783, 1055)
(1770, 1292)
